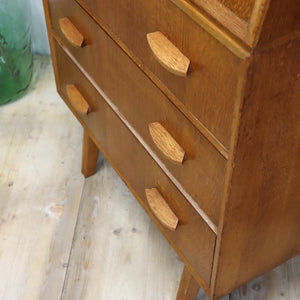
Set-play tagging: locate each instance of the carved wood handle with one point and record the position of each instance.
(77, 100)
(167, 54)
(166, 143)
(71, 33)
(161, 209)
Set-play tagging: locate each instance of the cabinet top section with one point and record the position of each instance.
(246, 23)
(242, 8)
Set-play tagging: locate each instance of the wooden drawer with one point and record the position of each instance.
(202, 173)
(209, 92)
(193, 239)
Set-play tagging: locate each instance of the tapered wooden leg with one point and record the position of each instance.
(89, 156)
(188, 288)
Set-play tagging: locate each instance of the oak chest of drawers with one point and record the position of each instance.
(196, 105)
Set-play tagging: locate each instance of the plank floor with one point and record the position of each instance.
(63, 237)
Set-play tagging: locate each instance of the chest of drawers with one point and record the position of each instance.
(196, 105)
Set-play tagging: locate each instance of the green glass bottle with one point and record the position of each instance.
(15, 50)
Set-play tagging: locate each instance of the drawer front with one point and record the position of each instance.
(209, 92)
(193, 239)
(142, 103)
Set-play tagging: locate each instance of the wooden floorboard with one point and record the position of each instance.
(40, 190)
(282, 283)
(114, 251)
(118, 253)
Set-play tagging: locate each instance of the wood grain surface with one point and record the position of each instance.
(240, 7)
(118, 253)
(77, 100)
(224, 15)
(161, 209)
(71, 33)
(89, 156)
(189, 287)
(167, 54)
(40, 189)
(252, 204)
(166, 143)
(263, 195)
(208, 96)
(113, 231)
(220, 22)
(282, 24)
(136, 95)
(130, 232)
(110, 134)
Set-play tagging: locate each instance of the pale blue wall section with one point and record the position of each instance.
(39, 37)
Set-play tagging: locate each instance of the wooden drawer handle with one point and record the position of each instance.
(77, 100)
(167, 54)
(71, 33)
(161, 209)
(166, 143)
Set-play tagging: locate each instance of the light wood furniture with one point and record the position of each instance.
(196, 105)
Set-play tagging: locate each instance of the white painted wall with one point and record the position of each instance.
(38, 30)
